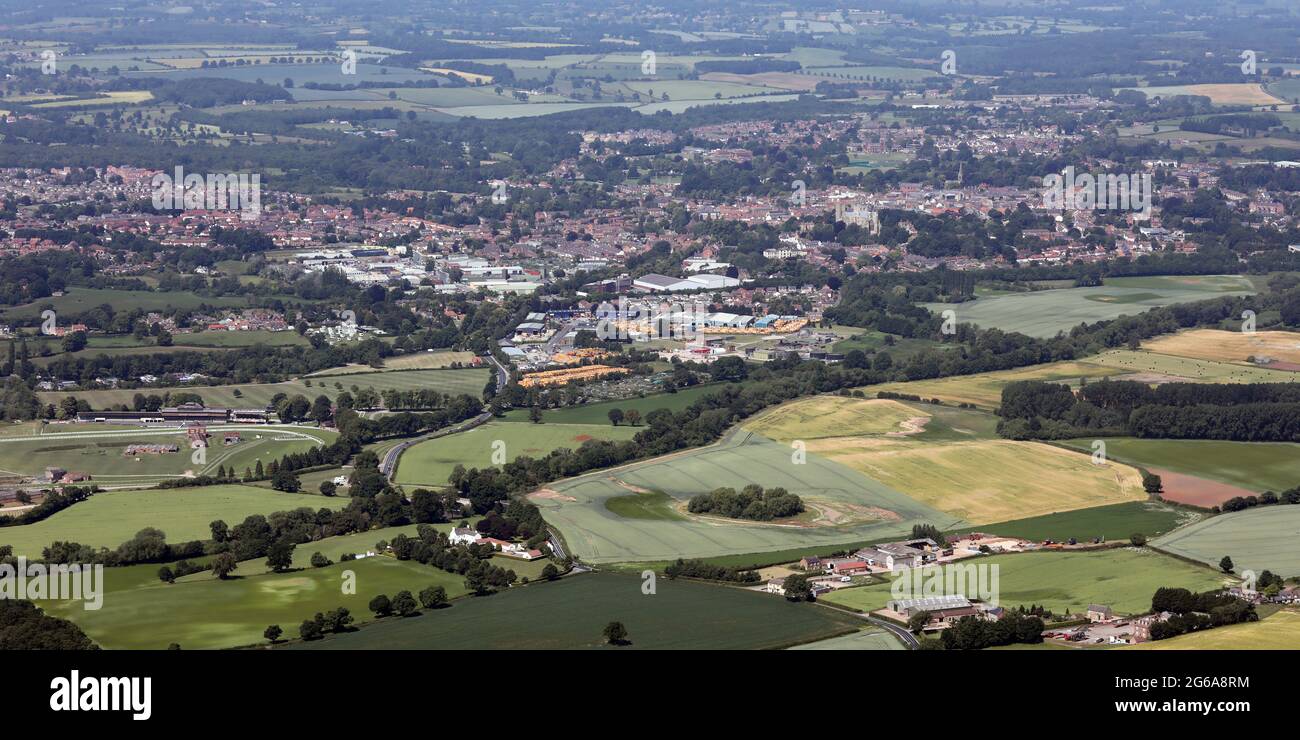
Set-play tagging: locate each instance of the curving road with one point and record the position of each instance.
(388, 466)
(908, 638)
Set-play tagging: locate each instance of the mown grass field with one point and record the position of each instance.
(985, 390)
(99, 452)
(1255, 466)
(571, 613)
(257, 395)
(1044, 313)
(1156, 367)
(868, 639)
(429, 463)
(76, 300)
(832, 416)
(844, 506)
(598, 413)
(1258, 539)
(145, 613)
(413, 361)
(110, 518)
(1281, 631)
(1124, 578)
(1228, 346)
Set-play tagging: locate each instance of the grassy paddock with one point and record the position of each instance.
(571, 613)
(108, 519)
(210, 613)
(429, 463)
(1124, 578)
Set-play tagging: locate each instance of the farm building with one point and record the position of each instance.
(1100, 613)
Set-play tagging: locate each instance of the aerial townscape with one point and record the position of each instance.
(887, 325)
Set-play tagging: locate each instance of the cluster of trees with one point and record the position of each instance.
(24, 626)
(511, 519)
(974, 633)
(149, 545)
(331, 622)
(420, 398)
(431, 547)
(1194, 611)
(710, 572)
(924, 531)
(1242, 412)
(751, 502)
(55, 501)
(1267, 498)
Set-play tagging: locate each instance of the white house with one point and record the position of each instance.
(464, 536)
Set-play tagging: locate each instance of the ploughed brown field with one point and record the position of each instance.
(1194, 491)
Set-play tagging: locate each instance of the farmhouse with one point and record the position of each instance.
(1100, 613)
(464, 536)
(895, 555)
(1142, 625)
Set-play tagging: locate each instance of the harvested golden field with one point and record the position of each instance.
(1278, 632)
(986, 481)
(1229, 346)
(473, 78)
(834, 416)
(1231, 93)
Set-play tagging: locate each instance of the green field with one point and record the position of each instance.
(1255, 466)
(110, 518)
(868, 639)
(141, 612)
(99, 452)
(1113, 522)
(571, 613)
(1046, 312)
(1124, 579)
(985, 389)
(76, 300)
(1258, 539)
(845, 506)
(598, 413)
(429, 463)
(257, 395)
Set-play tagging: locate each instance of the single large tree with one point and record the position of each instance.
(279, 556)
(433, 597)
(224, 564)
(615, 633)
